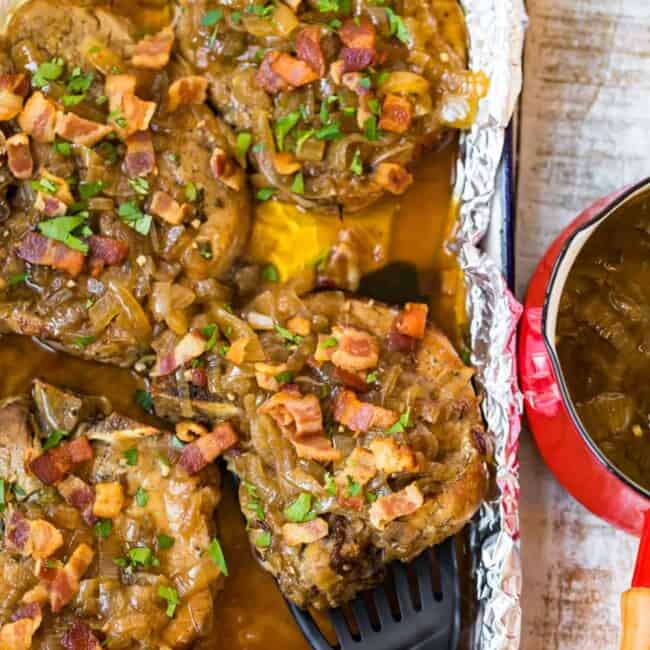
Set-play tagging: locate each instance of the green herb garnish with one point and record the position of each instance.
(285, 377)
(270, 273)
(103, 528)
(354, 488)
(144, 400)
(63, 148)
(164, 541)
(83, 341)
(212, 17)
(397, 27)
(263, 540)
(131, 456)
(300, 510)
(17, 278)
(329, 342)
(330, 484)
(298, 185)
(403, 423)
(55, 438)
(265, 193)
(243, 143)
(139, 185)
(370, 128)
(356, 166)
(286, 335)
(330, 132)
(141, 497)
(89, 190)
(49, 71)
(215, 552)
(191, 192)
(131, 214)
(284, 125)
(170, 595)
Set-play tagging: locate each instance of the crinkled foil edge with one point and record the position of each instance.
(496, 33)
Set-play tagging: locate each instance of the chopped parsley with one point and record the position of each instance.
(284, 125)
(143, 556)
(381, 77)
(55, 438)
(131, 214)
(258, 148)
(263, 11)
(329, 132)
(101, 99)
(45, 185)
(17, 278)
(303, 136)
(243, 143)
(63, 148)
(330, 484)
(328, 6)
(139, 185)
(263, 540)
(88, 190)
(323, 114)
(372, 377)
(397, 27)
(164, 541)
(191, 192)
(79, 81)
(49, 71)
(170, 595)
(300, 510)
(403, 423)
(18, 491)
(144, 400)
(298, 185)
(211, 333)
(141, 497)
(335, 23)
(103, 528)
(270, 273)
(286, 335)
(72, 100)
(215, 552)
(371, 497)
(205, 251)
(354, 488)
(118, 118)
(63, 228)
(108, 151)
(329, 342)
(370, 128)
(131, 456)
(212, 17)
(374, 106)
(235, 16)
(285, 377)
(356, 166)
(83, 341)
(3, 498)
(365, 82)
(265, 193)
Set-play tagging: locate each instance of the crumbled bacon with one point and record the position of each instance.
(336, 71)
(140, 159)
(191, 346)
(396, 114)
(37, 249)
(391, 457)
(266, 78)
(305, 533)
(106, 251)
(13, 90)
(79, 495)
(137, 113)
(350, 379)
(356, 350)
(358, 33)
(109, 500)
(308, 49)
(18, 635)
(38, 118)
(412, 321)
(392, 506)
(298, 415)
(117, 86)
(354, 82)
(392, 177)
(285, 163)
(187, 90)
(299, 325)
(225, 170)
(64, 584)
(153, 51)
(32, 537)
(129, 113)
(63, 192)
(356, 58)
(293, 71)
(80, 637)
(361, 416)
(169, 210)
(401, 343)
(49, 205)
(318, 448)
(359, 466)
(199, 377)
(205, 449)
(55, 464)
(19, 156)
(79, 130)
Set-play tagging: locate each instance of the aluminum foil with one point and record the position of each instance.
(496, 31)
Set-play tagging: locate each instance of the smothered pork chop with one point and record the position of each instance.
(123, 199)
(334, 100)
(108, 529)
(363, 439)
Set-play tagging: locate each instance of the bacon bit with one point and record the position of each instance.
(65, 583)
(80, 637)
(116, 87)
(52, 466)
(140, 158)
(36, 538)
(361, 416)
(164, 206)
(308, 49)
(336, 71)
(413, 320)
(109, 500)
(187, 90)
(63, 192)
(391, 457)
(392, 177)
(401, 343)
(356, 350)
(354, 503)
(296, 414)
(266, 78)
(37, 249)
(50, 206)
(79, 495)
(396, 114)
(225, 170)
(359, 466)
(38, 118)
(293, 71)
(137, 113)
(356, 59)
(123, 103)
(199, 377)
(350, 379)
(19, 155)
(80, 131)
(358, 33)
(305, 533)
(198, 454)
(153, 51)
(29, 610)
(18, 534)
(13, 90)
(191, 346)
(299, 325)
(106, 251)
(285, 163)
(318, 448)
(18, 635)
(237, 351)
(392, 506)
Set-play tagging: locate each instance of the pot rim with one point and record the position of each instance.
(602, 215)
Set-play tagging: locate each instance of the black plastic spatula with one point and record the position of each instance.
(417, 608)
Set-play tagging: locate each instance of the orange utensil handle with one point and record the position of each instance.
(635, 614)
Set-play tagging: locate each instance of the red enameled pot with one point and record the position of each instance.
(565, 446)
